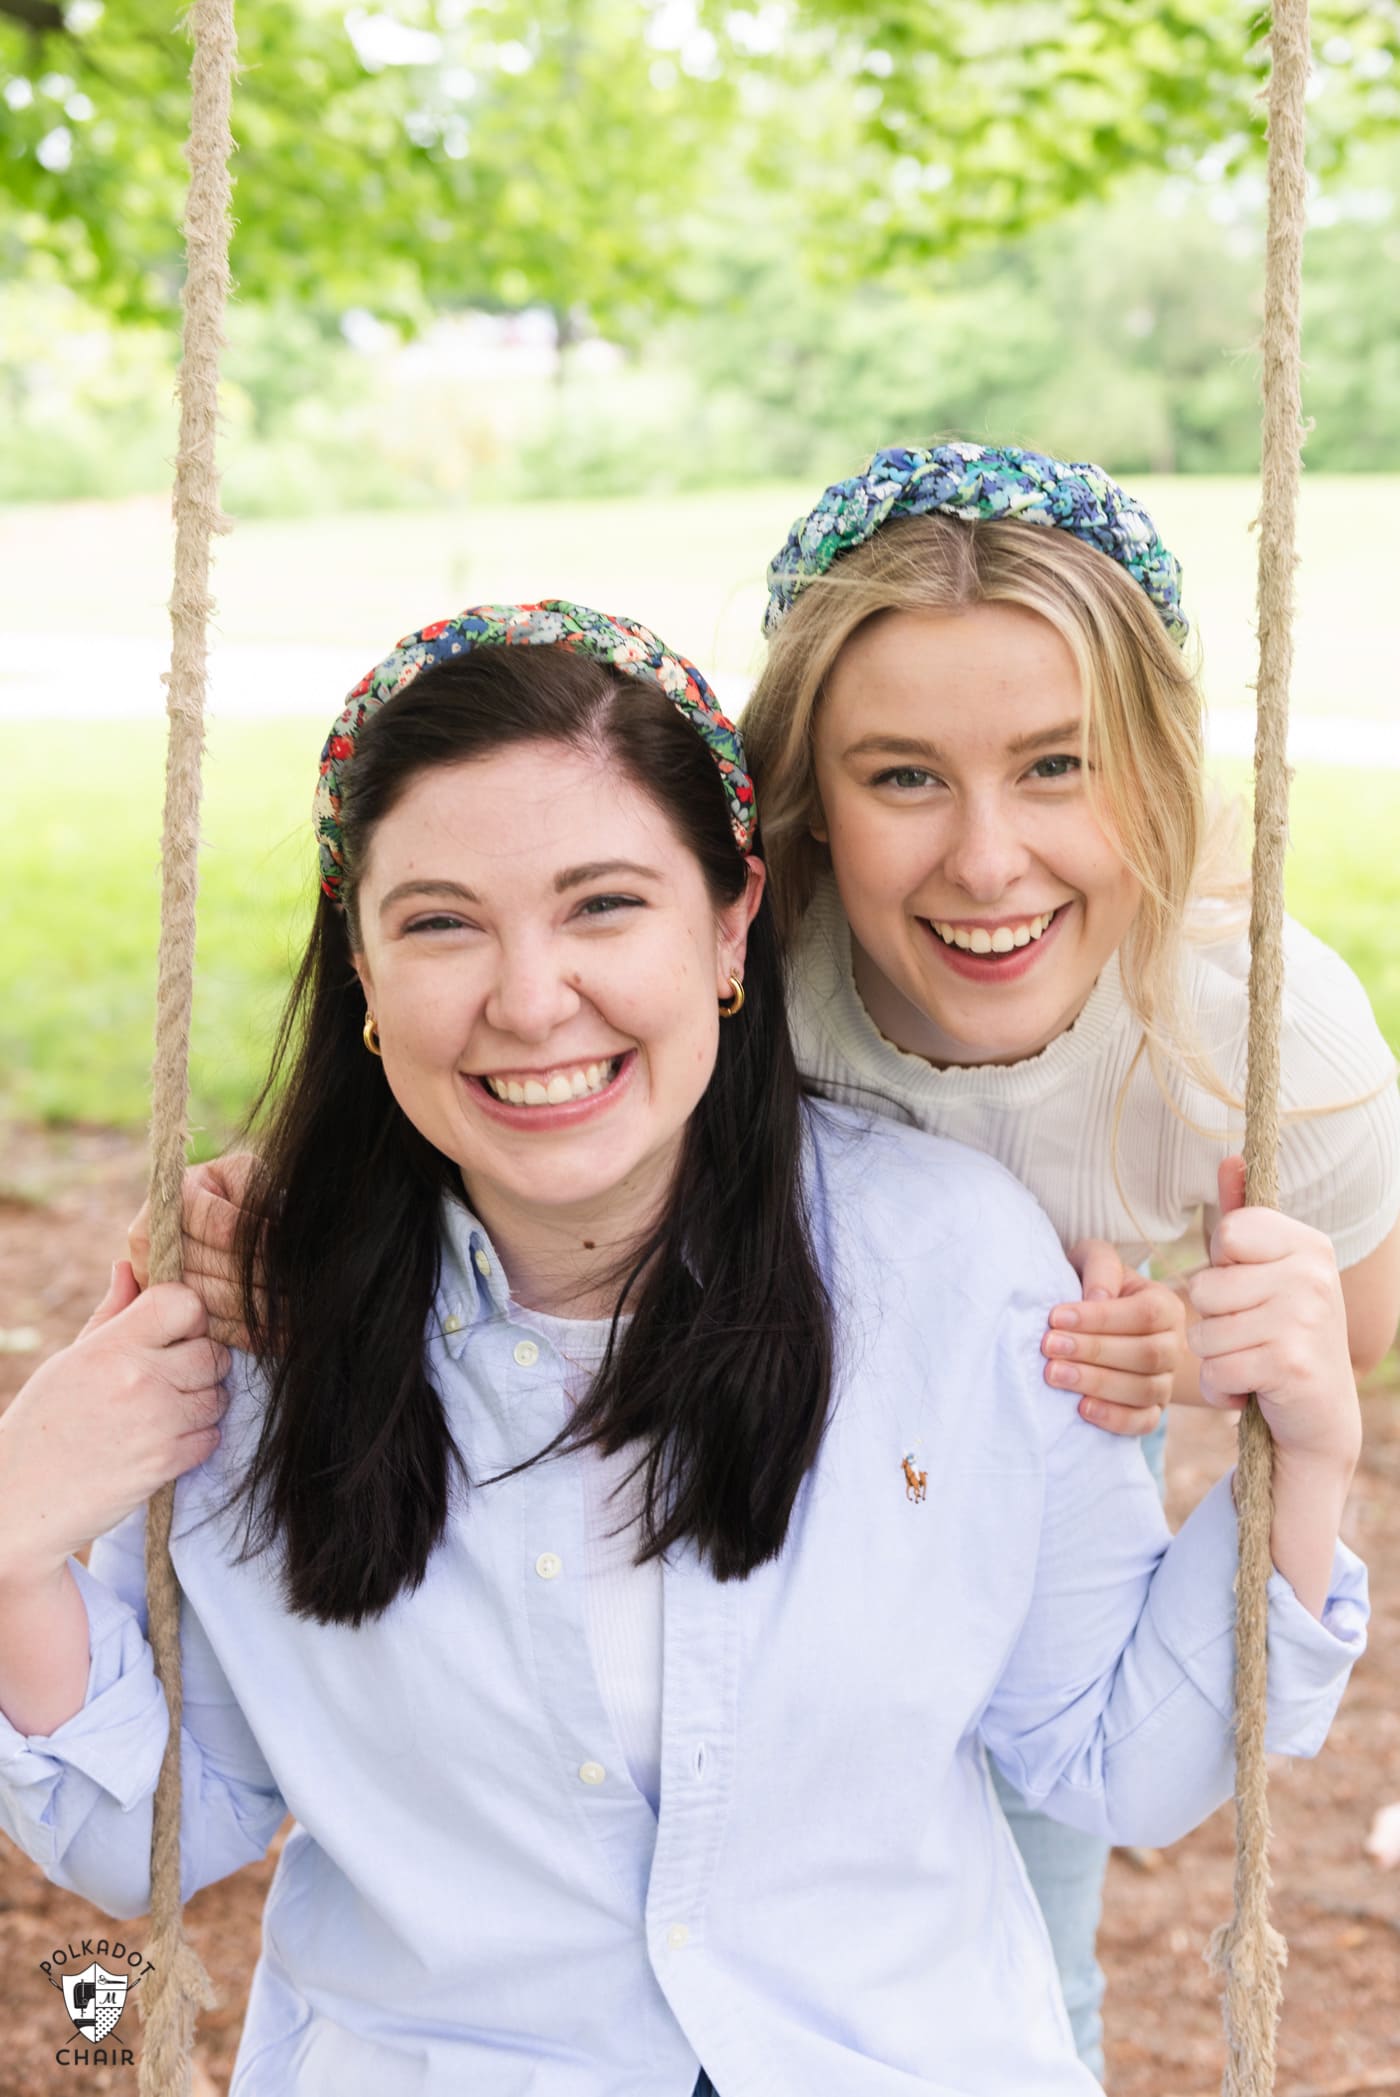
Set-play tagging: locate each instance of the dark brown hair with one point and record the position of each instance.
(721, 1380)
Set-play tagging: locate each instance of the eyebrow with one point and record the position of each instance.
(601, 870)
(571, 877)
(877, 743)
(428, 888)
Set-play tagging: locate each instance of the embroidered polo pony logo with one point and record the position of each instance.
(915, 1482)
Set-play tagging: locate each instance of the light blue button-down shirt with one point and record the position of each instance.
(476, 1898)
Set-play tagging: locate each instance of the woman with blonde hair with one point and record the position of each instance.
(978, 742)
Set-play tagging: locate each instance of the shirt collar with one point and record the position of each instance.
(472, 1286)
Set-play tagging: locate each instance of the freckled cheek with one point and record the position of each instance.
(427, 1027)
(1078, 852)
(1110, 885)
(679, 1030)
(863, 839)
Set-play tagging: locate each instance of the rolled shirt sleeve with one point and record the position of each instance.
(1115, 1711)
(78, 1800)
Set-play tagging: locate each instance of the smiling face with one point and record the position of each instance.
(544, 962)
(982, 889)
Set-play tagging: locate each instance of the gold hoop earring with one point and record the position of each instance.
(370, 1037)
(736, 1003)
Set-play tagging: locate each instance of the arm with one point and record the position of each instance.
(133, 1402)
(1114, 1711)
(1371, 1292)
(78, 1800)
(1272, 1322)
(1339, 1146)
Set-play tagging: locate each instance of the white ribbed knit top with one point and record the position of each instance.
(1051, 1119)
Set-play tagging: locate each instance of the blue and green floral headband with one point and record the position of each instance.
(553, 624)
(980, 483)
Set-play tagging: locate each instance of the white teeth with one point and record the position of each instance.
(976, 939)
(559, 1086)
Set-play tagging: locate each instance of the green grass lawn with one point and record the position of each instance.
(78, 869)
(692, 566)
(80, 873)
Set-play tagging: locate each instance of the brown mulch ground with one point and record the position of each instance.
(64, 1203)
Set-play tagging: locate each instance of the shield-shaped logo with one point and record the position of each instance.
(95, 1999)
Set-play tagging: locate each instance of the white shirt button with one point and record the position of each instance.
(677, 1936)
(526, 1353)
(480, 1262)
(591, 1772)
(452, 1323)
(548, 1566)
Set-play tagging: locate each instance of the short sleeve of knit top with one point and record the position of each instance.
(1118, 1144)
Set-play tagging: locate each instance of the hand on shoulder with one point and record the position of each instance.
(1122, 1345)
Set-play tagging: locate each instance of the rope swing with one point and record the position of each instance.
(179, 1986)
(1248, 1951)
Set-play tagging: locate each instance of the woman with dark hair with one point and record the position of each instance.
(640, 1511)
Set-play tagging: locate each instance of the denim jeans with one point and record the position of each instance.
(1154, 1453)
(705, 2088)
(1066, 1869)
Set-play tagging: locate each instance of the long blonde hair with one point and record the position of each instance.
(1143, 725)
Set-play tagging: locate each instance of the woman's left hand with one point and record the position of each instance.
(1121, 1346)
(1271, 1321)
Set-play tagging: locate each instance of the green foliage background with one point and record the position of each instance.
(1121, 331)
(548, 150)
(812, 225)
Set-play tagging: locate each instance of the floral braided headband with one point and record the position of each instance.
(978, 482)
(553, 624)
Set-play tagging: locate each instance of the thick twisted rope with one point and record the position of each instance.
(179, 1986)
(1248, 1950)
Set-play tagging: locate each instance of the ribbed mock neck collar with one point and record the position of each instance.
(823, 986)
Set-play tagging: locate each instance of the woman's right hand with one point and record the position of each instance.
(133, 1402)
(212, 1204)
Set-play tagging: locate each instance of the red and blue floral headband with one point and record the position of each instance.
(555, 623)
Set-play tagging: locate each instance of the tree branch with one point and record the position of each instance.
(34, 14)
